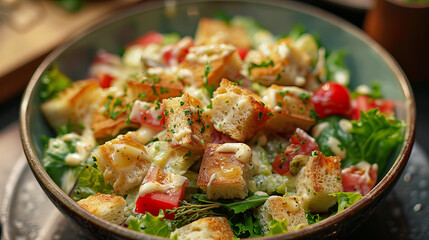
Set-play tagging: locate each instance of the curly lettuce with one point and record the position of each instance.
(372, 138)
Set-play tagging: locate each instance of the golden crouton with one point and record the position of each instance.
(225, 170)
(106, 206)
(75, 105)
(319, 178)
(238, 112)
(111, 119)
(281, 208)
(217, 61)
(292, 108)
(209, 228)
(123, 161)
(211, 31)
(278, 63)
(188, 127)
(149, 87)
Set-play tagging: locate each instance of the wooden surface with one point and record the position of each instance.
(30, 29)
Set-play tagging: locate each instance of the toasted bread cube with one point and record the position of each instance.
(106, 206)
(75, 105)
(292, 108)
(106, 124)
(149, 87)
(223, 60)
(188, 127)
(281, 208)
(209, 228)
(123, 161)
(225, 170)
(212, 31)
(238, 112)
(316, 180)
(278, 63)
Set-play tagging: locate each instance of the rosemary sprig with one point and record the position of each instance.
(189, 212)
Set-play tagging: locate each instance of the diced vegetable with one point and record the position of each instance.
(300, 144)
(332, 99)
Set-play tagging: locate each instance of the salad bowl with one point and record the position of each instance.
(366, 60)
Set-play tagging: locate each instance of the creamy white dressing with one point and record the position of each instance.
(176, 181)
(212, 178)
(209, 53)
(345, 125)
(277, 108)
(242, 151)
(334, 145)
(363, 89)
(181, 133)
(318, 129)
(283, 51)
(83, 148)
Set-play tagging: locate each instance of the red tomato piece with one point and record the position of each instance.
(242, 52)
(300, 144)
(332, 99)
(147, 38)
(365, 103)
(220, 138)
(146, 113)
(359, 179)
(154, 201)
(177, 52)
(105, 80)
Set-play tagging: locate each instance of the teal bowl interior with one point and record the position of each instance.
(366, 60)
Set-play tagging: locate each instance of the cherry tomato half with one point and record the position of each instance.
(300, 144)
(365, 103)
(332, 99)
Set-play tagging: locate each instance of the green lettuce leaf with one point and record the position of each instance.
(52, 82)
(245, 225)
(313, 218)
(151, 225)
(277, 227)
(346, 199)
(55, 154)
(246, 204)
(89, 182)
(372, 138)
(377, 136)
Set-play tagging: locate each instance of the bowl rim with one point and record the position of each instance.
(377, 192)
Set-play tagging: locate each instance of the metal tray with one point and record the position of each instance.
(27, 213)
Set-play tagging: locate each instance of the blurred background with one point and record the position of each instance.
(31, 29)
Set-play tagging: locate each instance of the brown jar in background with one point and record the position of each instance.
(402, 27)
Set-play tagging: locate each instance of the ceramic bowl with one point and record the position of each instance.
(366, 60)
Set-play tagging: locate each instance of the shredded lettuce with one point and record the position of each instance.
(246, 225)
(55, 154)
(89, 182)
(151, 225)
(373, 138)
(346, 199)
(376, 137)
(277, 227)
(52, 82)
